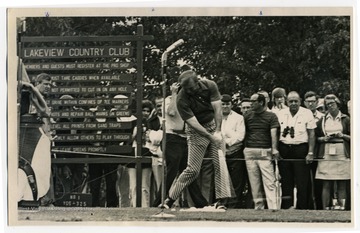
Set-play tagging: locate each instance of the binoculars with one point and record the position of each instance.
(288, 130)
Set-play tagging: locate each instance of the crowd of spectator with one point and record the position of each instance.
(307, 139)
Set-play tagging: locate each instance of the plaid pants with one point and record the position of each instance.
(198, 146)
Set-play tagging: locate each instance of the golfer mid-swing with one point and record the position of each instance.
(199, 105)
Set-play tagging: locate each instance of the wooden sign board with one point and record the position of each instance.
(90, 114)
(88, 102)
(78, 66)
(90, 77)
(126, 149)
(77, 52)
(95, 89)
(121, 137)
(73, 199)
(91, 126)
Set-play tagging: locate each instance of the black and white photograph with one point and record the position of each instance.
(173, 117)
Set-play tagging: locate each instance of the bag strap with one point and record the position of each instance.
(30, 174)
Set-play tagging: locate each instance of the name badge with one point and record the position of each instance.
(332, 149)
(264, 153)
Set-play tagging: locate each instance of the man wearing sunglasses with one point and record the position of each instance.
(296, 148)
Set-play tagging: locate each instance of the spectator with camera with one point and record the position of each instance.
(296, 147)
(333, 136)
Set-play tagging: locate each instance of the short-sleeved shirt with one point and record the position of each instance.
(258, 128)
(198, 105)
(318, 115)
(301, 122)
(174, 122)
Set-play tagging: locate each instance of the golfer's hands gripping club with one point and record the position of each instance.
(217, 139)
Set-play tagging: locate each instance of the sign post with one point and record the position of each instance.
(90, 75)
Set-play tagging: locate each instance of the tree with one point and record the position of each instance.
(247, 53)
(242, 54)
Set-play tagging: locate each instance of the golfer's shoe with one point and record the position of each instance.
(167, 203)
(219, 206)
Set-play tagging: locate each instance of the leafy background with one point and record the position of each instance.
(242, 54)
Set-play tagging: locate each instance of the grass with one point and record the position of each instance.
(118, 215)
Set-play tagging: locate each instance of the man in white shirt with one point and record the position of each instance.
(297, 140)
(233, 130)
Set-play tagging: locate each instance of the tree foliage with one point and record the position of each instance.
(242, 54)
(250, 53)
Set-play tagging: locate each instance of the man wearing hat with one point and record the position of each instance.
(233, 131)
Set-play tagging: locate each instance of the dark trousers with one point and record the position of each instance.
(348, 194)
(316, 194)
(239, 177)
(294, 174)
(96, 171)
(176, 154)
(205, 180)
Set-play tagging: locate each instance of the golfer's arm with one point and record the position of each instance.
(194, 123)
(218, 114)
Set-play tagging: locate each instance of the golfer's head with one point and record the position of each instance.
(189, 82)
